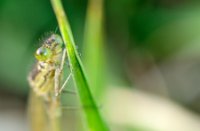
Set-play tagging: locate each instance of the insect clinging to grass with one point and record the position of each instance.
(45, 81)
(45, 78)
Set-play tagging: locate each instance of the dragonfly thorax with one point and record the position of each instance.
(46, 66)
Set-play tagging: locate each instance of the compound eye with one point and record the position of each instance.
(43, 54)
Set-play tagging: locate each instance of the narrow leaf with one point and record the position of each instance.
(93, 48)
(93, 118)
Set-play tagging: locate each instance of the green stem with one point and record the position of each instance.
(93, 118)
(93, 48)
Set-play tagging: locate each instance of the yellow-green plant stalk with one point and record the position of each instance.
(93, 117)
(93, 47)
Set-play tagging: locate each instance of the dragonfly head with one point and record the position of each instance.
(43, 54)
(51, 49)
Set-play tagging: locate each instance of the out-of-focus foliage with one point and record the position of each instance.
(151, 45)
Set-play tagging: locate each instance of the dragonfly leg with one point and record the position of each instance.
(58, 71)
(63, 60)
(80, 107)
(69, 91)
(63, 86)
(56, 81)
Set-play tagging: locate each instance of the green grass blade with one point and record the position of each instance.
(93, 48)
(94, 120)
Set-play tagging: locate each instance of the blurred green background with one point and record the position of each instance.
(152, 49)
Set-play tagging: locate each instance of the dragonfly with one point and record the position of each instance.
(45, 78)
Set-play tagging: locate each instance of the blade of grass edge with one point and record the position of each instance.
(93, 117)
